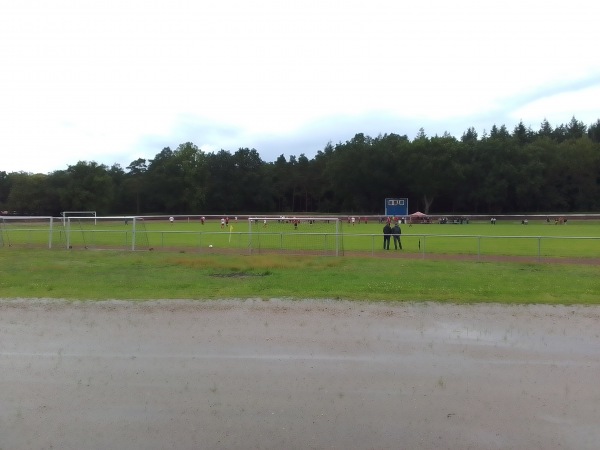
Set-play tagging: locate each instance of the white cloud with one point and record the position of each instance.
(109, 81)
(558, 109)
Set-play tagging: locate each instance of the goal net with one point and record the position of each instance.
(27, 231)
(296, 235)
(105, 232)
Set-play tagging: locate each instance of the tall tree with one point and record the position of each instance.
(29, 194)
(430, 168)
(90, 188)
(191, 164)
(4, 189)
(220, 188)
(280, 178)
(325, 191)
(164, 183)
(117, 174)
(248, 183)
(545, 129)
(469, 136)
(135, 182)
(594, 132)
(580, 166)
(304, 180)
(575, 129)
(522, 134)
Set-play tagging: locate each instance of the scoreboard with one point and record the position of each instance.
(396, 207)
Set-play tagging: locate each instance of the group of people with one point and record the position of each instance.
(353, 220)
(224, 222)
(388, 232)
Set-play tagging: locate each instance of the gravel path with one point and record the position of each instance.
(297, 374)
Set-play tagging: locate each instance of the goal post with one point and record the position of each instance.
(105, 232)
(26, 231)
(66, 214)
(297, 234)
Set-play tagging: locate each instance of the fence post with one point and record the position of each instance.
(68, 233)
(50, 236)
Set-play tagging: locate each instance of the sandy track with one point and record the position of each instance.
(281, 374)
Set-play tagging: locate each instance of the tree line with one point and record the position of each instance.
(553, 169)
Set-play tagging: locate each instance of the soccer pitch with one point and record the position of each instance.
(576, 239)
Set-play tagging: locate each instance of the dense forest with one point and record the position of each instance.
(502, 171)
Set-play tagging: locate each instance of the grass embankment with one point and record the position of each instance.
(96, 275)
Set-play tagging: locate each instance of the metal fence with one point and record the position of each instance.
(480, 247)
(424, 246)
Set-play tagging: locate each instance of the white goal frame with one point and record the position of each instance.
(300, 225)
(44, 222)
(136, 229)
(66, 214)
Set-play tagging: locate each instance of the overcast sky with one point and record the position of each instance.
(115, 80)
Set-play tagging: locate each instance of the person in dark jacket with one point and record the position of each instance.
(396, 233)
(387, 233)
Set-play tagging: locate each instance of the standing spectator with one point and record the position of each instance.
(387, 233)
(397, 232)
(171, 219)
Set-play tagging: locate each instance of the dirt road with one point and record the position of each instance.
(305, 374)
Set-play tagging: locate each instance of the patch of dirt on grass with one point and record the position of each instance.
(238, 275)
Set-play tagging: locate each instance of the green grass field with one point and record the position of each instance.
(538, 239)
(96, 275)
(189, 272)
(505, 238)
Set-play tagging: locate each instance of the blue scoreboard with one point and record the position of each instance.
(396, 207)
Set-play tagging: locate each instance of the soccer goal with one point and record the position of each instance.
(296, 235)
(105, 232)
(26, 231)
(66, 214)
